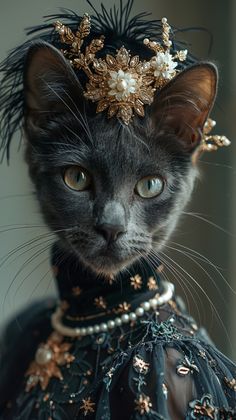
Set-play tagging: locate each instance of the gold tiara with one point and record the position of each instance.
(123, 84)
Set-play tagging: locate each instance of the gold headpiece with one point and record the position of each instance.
(123, 84)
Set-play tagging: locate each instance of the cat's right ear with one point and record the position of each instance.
(50, 86)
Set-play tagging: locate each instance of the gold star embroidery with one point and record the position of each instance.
(48, 359)
(152, 284)
(123, 307)
(143, 404)
(140, 365)
(87, 406)
(76, 291)
(136, 282)
(100, 302)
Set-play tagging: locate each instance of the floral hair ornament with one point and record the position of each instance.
(123, 84)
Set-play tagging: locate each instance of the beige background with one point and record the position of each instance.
(24, 271)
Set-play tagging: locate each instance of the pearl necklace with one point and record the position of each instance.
(151, 304)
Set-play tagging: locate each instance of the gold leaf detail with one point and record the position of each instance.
(112, 110)
(111, 61)
(122, 57)
(134, 61)
(102, 105)
(139, 108)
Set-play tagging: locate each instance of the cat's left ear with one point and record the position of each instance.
(183, 105)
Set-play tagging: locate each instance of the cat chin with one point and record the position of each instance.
(104, 265)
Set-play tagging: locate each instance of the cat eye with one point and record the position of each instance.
(77, 178)
(150, 186)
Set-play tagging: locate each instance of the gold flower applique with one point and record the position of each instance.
(122, 307)
(49, 357)
(143, 404)
(136, 282)
(100, 302)
(152, 284)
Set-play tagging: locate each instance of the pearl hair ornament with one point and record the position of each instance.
(151, 304)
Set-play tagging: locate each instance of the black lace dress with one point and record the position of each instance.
(159, 365)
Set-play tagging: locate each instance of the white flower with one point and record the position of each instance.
(122, 84)
(164, 65)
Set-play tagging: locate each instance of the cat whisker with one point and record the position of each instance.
(204, 293)
(205, 260)
(200, 217)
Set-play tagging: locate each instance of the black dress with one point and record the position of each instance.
(158, 365)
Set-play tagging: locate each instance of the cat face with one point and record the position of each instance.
(112, 193)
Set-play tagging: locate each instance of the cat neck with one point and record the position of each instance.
(85, 295)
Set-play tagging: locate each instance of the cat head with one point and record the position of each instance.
(111, 192)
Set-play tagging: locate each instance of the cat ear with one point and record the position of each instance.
(50, 85)
(183, 105)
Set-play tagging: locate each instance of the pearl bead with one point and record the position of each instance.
(125, 318)
(121, 85)
(43, 356)
(90, 330)
(83, 331)
(111, 324)
(139, 311)
(146, 306)
(132, 316)
(118, 322)
(103, 327)
(164, 20)
(160, 300)
(96, 328)
(153, 303)
(77, 331)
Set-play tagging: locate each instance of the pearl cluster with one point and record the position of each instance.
(146, 306)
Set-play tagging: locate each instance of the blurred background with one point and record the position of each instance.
(203, 249)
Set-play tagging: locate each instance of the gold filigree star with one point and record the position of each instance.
(100, 302)
(87, 406)
(76, 291)
(136, 282)
(143, 404)
(140, 365)
(48, 359)
(152, 284)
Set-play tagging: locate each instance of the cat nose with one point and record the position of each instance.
(110, 232)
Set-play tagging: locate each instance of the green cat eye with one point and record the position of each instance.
(149, 187)
(76, 178)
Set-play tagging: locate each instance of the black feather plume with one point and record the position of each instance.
(119, 29)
